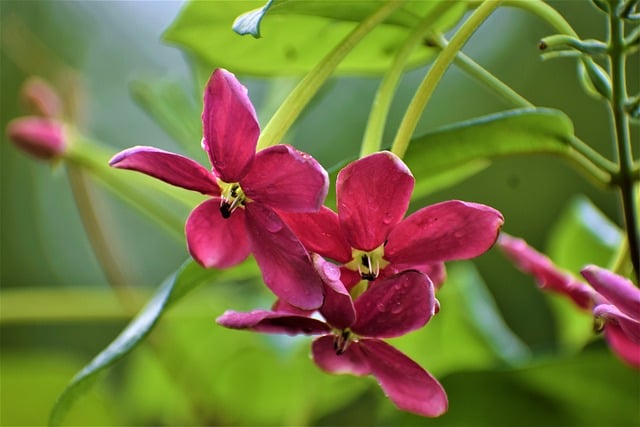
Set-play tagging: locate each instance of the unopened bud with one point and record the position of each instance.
(39, 136)
(40, 98)
(595, 80)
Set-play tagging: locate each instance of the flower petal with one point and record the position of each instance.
(338, 306)
(214, 241)
(629, 326)
(394, 306)
(41, 137)
(168, 167)
(616, 289)
(373, 195)
(351, 361)
(320, 232)
(626, 349)
(436, 272)
(272, 322)
(408, 385)
(229, 125)
(446, 231)
(285, 264)
(547, 275)
(286, 179)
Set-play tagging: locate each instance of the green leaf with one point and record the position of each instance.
(583, 235)
(459, 150)
(298, 34)
(189, 276)
(178, 114)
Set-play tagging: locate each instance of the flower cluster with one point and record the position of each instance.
(613, 300)
(351, 277)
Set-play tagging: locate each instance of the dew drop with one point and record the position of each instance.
(386, 219)
(396, 309)
(273, 224)
(458, 234)
(381, 307)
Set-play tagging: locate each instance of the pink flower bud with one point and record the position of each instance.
(39, 98)
(41, 137)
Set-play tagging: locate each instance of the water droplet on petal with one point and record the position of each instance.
(387, 218)
(381, 307)
(273, 224)
(458, 234)
(397, 308)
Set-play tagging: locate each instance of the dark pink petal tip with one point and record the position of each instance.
(230, 126)
(169, 167)
(41, 137)
(616, 289)
(272, 322)
(373, 195)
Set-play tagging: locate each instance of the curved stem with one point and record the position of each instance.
(435, 73)
(546, 12)
(291, 108)
(621, 136)
(374, 131)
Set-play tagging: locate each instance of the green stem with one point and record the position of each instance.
(546, 12)
(372, 140)
(621, 136)
(291, 108)
(435, 73)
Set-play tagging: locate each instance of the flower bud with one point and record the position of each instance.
(39, 98)
(594, 79)
(41, 137)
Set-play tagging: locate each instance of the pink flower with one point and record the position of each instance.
(613, 300)
(369, 236)
(351, 333)
(42, 137)
(246, 188)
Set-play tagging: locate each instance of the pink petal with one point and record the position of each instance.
(547, 275)
(283, 307)
(351, 361)
(408, 385)
(349, 278)
(338, 307)
(436, 272)
(320, 232)
(285, 264)
(214, 241)
(616, 289)
(168, 167)
(446, 231)
(272, 322)
(41, 137)
(629, 326)
(229, 125)
(626, 349)
(394, 306)
(373, 195)
(286, 179)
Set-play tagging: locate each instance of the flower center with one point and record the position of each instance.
(342, 340)
(368, 263)
(231, 197)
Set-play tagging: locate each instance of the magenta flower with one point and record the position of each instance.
(41, 137)
(246, 188)
(613, 300)
(350, 340)
(369, 236)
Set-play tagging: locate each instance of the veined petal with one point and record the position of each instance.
(214, 241)
(409, 386)
(629, 326)
(626, 349)
(272, 322)
(373, 195)
(616, 289)
(546, 274)
(394, 306)
(446, 231)
(320, 232)
(229, 125)
(286, 179)
(351, 361)
(168, 167)
(338, 306)
(285, 264)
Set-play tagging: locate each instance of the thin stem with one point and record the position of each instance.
(435, 73)
(291, 108)
(373, 134)
(546, 12)
(621, 136)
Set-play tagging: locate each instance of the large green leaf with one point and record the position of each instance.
(454, 152)
(298, 34)
(188, 277)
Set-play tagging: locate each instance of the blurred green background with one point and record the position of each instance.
(58, 310)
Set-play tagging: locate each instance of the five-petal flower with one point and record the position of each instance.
(613, 300)
(369, 236)
(246, 189)
(351, 334)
